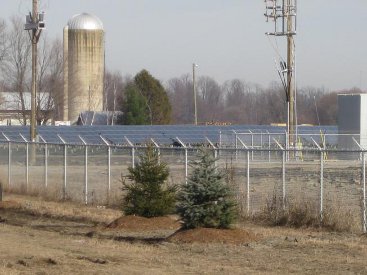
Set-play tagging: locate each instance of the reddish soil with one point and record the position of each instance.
(211, 235)
(135, 223)
(199, 235)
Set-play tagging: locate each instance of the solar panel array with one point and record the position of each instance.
(138, 134)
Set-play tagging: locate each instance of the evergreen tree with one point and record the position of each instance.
(156, 96)
(206, 201)
(147, 194)
(135, 107)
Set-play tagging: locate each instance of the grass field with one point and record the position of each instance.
(38, 237)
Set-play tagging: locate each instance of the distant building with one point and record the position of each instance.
(11, 110)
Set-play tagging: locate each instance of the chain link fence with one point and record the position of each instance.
(329, 180)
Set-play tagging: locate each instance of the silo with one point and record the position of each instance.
(83, 65)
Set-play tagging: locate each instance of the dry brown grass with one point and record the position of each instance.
(43, 245)
(300, 212)
(1, 191)
(67, 210)
(51, 193)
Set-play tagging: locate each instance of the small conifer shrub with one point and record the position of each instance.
(147, 193)
(206, 201)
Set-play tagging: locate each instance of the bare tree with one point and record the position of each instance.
(235, 101)
(4, 45)
(3, 55)
(50, 81)
(16, 66)
(274, 105)
(114, 86)
(181, 97)
(307, 97)
(210, 100)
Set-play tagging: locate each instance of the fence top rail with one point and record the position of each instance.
(195, 148)
(284, 133)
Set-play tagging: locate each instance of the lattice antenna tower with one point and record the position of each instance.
(283, 13)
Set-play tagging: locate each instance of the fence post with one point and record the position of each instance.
(109, 171)
(65, 170)
(9, 163)
(186, 166)
(269, 146)
(283, 178)
(27, 166)
(284, 155)
(46, 160)
(220, 141)
(321, 150)
(108, 167)
(215, 151)
(132, 152)
(286, 144)
(133, 157)
(85, 169)
(9, 159)
(86, 173)
(158, 148)
(236, 144)
(252, 145)
(46, 165)
(321, 185)
(261, 144)
(26, 161)
(364, 191)
(248, 182)
(65, 166)
(186, 158)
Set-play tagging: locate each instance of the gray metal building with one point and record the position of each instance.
(83, 66)
(352, 121)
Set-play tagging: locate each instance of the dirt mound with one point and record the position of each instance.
(135, 223)
(211, 235)
(9, 205)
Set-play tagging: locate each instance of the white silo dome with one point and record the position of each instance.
(85, 21)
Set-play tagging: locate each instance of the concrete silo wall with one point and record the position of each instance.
(65, 103)
(85, 71)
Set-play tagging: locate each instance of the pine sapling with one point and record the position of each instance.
(148, 194)
(206, 201)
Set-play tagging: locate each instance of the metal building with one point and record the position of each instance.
(352, 121)
(83, 66)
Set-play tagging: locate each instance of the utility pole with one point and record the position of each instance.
(291, 71)
(34, 72)
(284, 15)
(194, 91)
(34, 25)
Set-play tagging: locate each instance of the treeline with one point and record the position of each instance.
(143, 99)
(235, 101)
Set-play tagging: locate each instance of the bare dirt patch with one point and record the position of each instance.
(135, 223)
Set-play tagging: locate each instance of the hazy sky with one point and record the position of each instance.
(225, 37)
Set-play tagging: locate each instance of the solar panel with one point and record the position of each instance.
(162, 134)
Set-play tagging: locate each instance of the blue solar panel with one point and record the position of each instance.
(162, 134)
